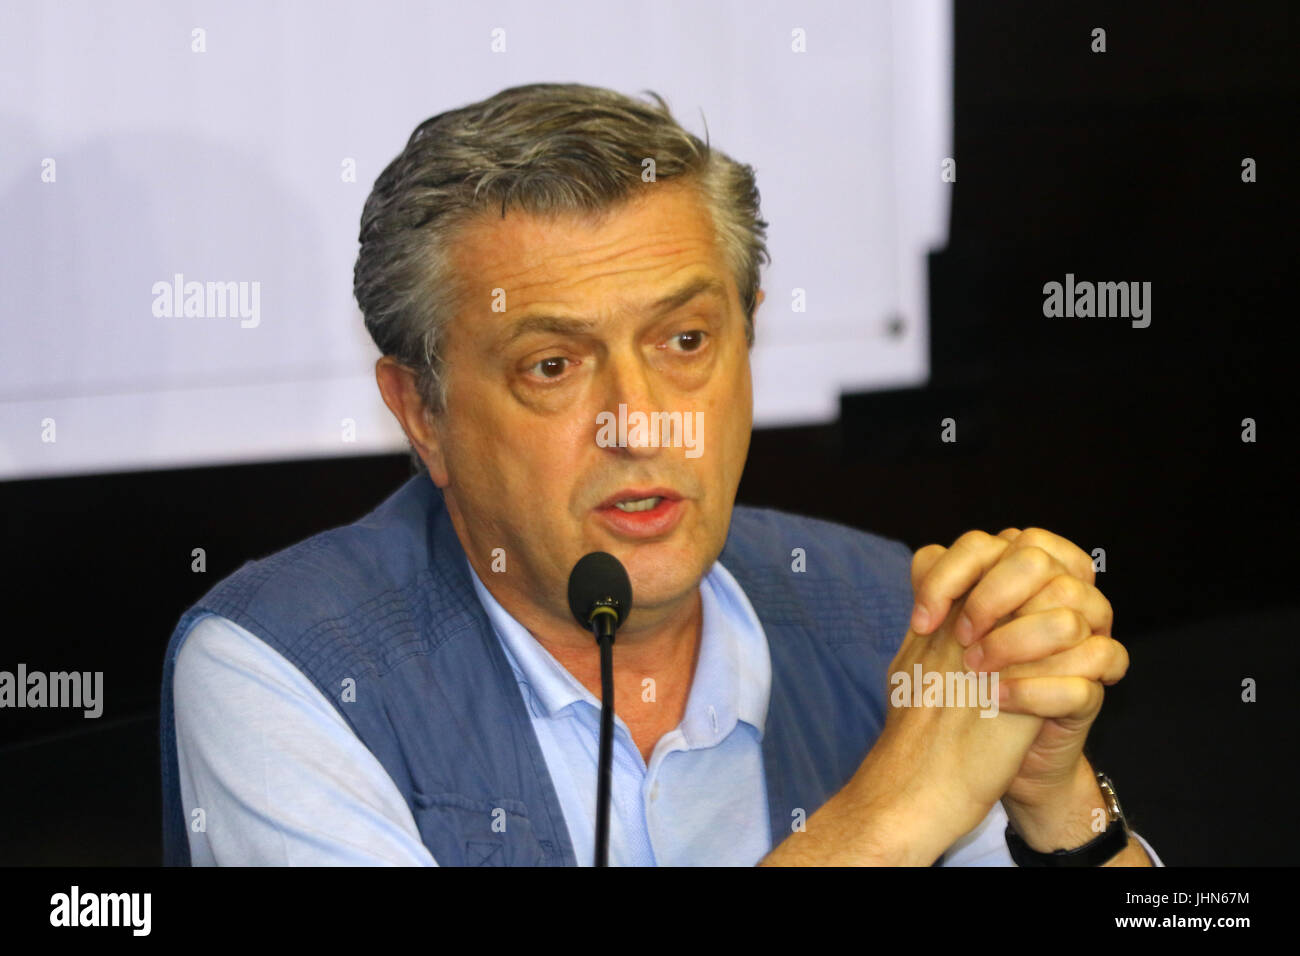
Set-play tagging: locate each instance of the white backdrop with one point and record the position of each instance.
(128, 157)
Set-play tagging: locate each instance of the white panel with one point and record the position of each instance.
(225, 166)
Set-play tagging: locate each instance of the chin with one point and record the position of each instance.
(660, 576)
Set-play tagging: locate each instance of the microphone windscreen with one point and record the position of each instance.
(599, 578)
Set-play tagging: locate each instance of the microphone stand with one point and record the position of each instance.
(603, 622)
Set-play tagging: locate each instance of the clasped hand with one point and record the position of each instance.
(1023, 604)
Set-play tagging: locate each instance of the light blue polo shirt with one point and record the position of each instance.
(702, 799)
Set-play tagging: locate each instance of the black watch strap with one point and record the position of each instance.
(1093, 853)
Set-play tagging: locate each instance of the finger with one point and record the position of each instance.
(952, 575)
(1019, 575)
(1010, 534)
(1058, 697)
(923, 561)
(1029, 638)
(1078, 561)
(1098, 658)
(1065, 590)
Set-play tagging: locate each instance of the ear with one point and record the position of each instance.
(398, 386)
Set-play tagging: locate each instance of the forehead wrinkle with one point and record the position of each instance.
(558, 270)
(531, 244)
(647, 263)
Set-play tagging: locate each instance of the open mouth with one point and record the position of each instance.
(638, 504)
(640, 513)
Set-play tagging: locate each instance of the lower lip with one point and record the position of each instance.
(659, 520)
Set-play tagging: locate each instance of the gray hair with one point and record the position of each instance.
(544, 148)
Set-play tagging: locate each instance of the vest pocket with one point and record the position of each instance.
(461, 831)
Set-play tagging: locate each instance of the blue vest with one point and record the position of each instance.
(387, 602)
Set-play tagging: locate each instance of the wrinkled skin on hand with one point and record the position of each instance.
(948, 760)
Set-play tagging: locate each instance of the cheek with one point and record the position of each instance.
(732, 415)
(533, 460)
(727, 420)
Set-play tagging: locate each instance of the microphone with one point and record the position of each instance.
(600, 597)
(600, 594)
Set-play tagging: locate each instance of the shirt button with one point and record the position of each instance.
(713, 718)
(654, 792)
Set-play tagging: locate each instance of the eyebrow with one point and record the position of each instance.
(560, 325)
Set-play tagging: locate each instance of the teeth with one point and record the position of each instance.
(641, 504)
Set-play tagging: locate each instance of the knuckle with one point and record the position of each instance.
(1063, 622)
(1082, 626)
(1097, 653)
(1035, 538)
(970, 538)
(931, 550)
(925, 554)
(1066, 587)
(923, 561)
(981, 605)
(1081, 693)
(1035, 559)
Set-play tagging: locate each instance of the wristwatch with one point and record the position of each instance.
(1093, 853)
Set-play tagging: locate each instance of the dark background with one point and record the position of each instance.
(1117, 166)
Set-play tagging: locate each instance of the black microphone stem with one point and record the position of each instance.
(605, 765)
(600, 597)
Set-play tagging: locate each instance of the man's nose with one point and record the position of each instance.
(631, 388)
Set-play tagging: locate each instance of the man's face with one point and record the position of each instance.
(587, 319)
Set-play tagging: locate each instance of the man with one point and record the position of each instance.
(413, 688)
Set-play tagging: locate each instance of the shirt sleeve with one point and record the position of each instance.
(986, 845)
(280, 777)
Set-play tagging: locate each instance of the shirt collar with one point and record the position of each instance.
(733, 676)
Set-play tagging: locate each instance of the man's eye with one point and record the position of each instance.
(691, 341)
(550, 367)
